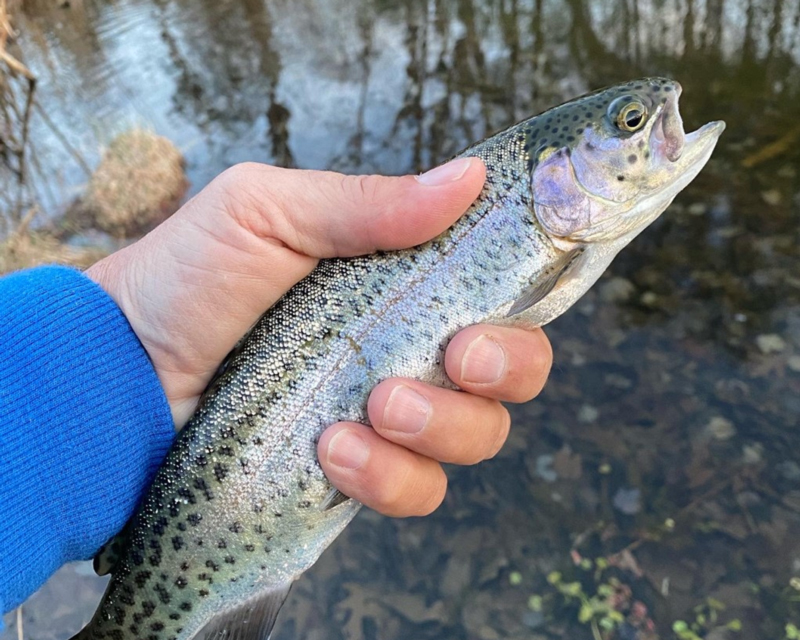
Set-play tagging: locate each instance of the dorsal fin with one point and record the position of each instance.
(545, 283)
(252, 620)
(107, 556)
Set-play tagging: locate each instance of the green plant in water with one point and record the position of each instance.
(595, 610)
(706, 616)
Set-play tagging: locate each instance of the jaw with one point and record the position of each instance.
(627, 219)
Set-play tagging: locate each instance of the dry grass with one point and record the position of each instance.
(32, 248)
(139, 182)
(25, 248)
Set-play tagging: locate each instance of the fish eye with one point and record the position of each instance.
(631, 117)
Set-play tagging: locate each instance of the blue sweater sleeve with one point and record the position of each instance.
(84, 424)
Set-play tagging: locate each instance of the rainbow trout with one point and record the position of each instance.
(240, 508)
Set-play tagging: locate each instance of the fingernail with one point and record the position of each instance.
(348, 450)
(484, 361)
(406, 410)
(446, 173)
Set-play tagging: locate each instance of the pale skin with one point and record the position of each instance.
(193, 286)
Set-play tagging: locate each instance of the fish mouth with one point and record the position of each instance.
(668, 139)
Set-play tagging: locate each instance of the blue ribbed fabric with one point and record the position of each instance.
(84, 424)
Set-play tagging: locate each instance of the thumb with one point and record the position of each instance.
(324, 214)
(199, 281)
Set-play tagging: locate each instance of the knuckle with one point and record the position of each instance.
(387, 497)
(501, 435)
(363, 189)
(435, 496)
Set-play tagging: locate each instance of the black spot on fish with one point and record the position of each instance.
(186, 606)
(181, 582)
(178, 543)
(201, 460)
(236, 527)
(220, 471)
(184, 566)
(148, 607)
(157, 626)
(160, 525)
(221, 544)
(187, 495)
(202, 593)
(119, 615)
(141, 578)
(134, 630)
(181, 526)
(589, 146)
(632, 158)
(249, 547)
(155, 559)
(225, 450)
(621, 178)
(194, 519)
(162, 593)
(206, 577)
(230, 560)
(668, 88)
(174, 616)
(137, 558)
(212, 565)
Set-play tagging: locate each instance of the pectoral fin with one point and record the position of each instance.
(333, 499)
(252, 620)
(544, 284)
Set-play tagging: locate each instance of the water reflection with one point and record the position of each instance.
(675, 395)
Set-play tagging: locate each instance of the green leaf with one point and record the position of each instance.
(554, 577)
(735, 625)
(535, 603)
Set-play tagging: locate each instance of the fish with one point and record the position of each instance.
(240, 508)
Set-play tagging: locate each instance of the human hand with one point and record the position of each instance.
(192, 287)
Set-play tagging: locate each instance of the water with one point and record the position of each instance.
(666, 441)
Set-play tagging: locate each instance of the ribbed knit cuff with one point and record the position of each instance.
(84, 424)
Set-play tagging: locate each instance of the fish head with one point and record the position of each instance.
(606, 165)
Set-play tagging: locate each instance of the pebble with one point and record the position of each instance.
(789, 469)
(770, 343)
(544, 468)
(721, 428)
(649, 299)
(697, 208)
(617, 290)
(588, 414)
(771, 197)
(628, 501)
(752, 453)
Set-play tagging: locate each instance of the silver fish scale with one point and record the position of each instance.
(235, 509)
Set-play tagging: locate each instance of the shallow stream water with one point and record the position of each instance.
(666, 443)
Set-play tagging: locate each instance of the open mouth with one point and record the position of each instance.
(669, 139)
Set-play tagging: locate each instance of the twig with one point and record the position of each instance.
(72, 151)
(774, 149)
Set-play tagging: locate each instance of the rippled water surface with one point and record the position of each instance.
(659, 472)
